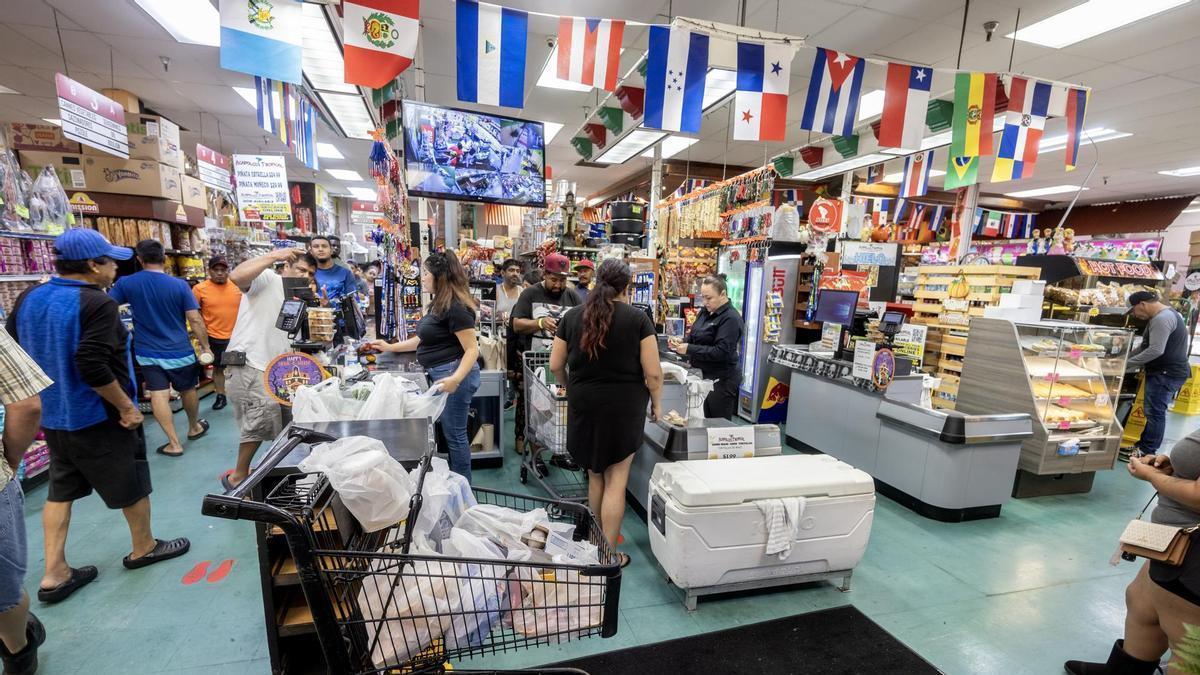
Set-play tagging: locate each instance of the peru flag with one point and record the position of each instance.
(762, 91)
(905, 102)
(589, 51)
(380, 39)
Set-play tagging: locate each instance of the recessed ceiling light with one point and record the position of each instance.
(630, 146)
(870, 104)
(194, 22)
(549, 76)
(1182, 173)
(322, 57)
(351, 114)
(1097, 135)
(345, 174)
(938, 140)
(53, 120)
(1090, 19)
(364, 194)
(6, 90)
(329, 151)
(1039, 192)
(551, 130)
(1190, 211)
(841, 167)
(250, 95)
(896, 177)
(671, 146)
(718, 85)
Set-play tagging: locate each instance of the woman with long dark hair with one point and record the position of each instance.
(606, 352)
(447, 350)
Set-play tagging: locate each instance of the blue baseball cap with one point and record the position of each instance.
(84, 244)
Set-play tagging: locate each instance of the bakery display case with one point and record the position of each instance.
(1067, 377)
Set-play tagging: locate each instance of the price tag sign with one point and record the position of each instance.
(1052, 377)
(730, 442)
(1075, 354)
(1095, 311)
(1102, 399)
(1064, 400)
(91, 118)
(1064, 425)
(214, 168)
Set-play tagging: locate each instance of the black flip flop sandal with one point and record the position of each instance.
(226, 483)
(80, 577)
(162, 450)
(164, 550)
(203, 423)
(625, 560)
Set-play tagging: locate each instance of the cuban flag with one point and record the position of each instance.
(914, 181)
(905, 102)
(1028, 102)
(491, 53)
(263, 38)
(589, 51)
(760, 112)
(676, 66)
(833, 89)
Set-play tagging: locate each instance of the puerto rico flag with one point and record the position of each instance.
(905, 102)
(589, 51)
(263, 38)
(833, 89)
(1028, 102)
(1077, 100)
(491, 53)
(914, 181)
(380, 39)
(676, 65)
(760, 112)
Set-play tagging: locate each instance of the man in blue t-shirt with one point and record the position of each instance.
(333, 280)
(163, 306)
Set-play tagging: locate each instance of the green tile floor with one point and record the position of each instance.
(1017, 594)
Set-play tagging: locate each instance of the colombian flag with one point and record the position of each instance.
(974, 109)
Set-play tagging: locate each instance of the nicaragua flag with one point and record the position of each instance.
(833, 89)
(676, 66)
(491, 53)
(914, 181)
(263, 38)
(763, 73)
(1028, 103)
(905, 102)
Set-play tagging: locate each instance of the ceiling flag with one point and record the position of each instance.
(491, 53)
(905, 101)
(380, 39)
(1028, 101)
(833, 89)
(677, 64)
(974, 109)
(914, 181)
(961, 172)
(760, 107)
(589, 51)
(263, 38)
(1077, 100)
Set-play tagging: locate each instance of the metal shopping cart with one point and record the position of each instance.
(378, 608)
(546, 433)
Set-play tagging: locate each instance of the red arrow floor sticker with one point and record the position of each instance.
(196, 573)
(221, 572)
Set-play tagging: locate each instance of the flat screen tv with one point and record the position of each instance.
(459, 154)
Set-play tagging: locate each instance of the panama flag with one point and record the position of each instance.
(1077, 100)
(833, 89)
(676, 66)
(905, 102)
(491, 53)
(589, 51)
(914, 182)
(1028, 102)
(879, 211)
(762, 91)
(380, 39)
(263, 38)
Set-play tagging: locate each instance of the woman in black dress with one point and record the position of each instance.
(606, 352)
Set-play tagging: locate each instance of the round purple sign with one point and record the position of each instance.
(290, 371)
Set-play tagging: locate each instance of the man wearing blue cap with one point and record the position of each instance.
(92, 425)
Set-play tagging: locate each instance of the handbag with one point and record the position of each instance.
(1167, 544)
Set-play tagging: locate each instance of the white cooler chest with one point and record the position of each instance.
(710, 536)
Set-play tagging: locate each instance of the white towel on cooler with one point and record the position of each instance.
(782, 519)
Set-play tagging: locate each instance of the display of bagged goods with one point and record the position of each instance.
(130, 227)
(49, 210)
(14, 190)
(1062, 296)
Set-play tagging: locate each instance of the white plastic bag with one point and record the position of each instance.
(372, 484)
(482, 588)
(673, 371)
(429, 404)
(323, 402)
(386, 400)
(698, 390)
(446, 495)
(558, 605)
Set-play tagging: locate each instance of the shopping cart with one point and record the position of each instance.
(546, 433)
(377, 608)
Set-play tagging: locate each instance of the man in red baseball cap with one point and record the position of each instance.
(585, 270)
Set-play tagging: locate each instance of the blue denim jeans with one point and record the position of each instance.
(1160, 389)
(12, 544)
(454, 417)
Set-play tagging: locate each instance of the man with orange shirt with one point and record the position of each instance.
(218, 300)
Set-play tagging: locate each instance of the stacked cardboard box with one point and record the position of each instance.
(96, 173)
(1194, 249)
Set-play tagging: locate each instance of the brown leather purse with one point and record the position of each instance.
(1167, 544)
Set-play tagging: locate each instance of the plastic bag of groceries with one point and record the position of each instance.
(429, 404)
(557, 604)
(371, 483)
(386, 401)
(481, 587)
(323, 402)
(48, 207)
(446, 495)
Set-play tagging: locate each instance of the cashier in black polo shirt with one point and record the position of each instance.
(713, 345)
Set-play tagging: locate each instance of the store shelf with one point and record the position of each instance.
(23, 277)
(27, 235)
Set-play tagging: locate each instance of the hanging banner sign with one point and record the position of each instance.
(1115, 268)
(825, 215)
(364, 215)
(213, 168)
(262, 187)
(91, 118)
(869, 253)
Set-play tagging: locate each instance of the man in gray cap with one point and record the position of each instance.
(1163, 359)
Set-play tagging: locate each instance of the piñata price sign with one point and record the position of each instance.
(91, 118)
(213, 168)
(262, 189)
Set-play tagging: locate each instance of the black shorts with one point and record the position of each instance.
(105, 457)
(161, 379)
(218, 347)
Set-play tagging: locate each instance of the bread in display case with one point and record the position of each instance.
(1067, 377)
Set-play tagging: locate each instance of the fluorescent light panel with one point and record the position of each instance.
(322, 56)
(344, 174)
(1187, 172)
(329, 151)
(718, 85)
(552, 129)
(194, 22)
(870, 104)
(671, 146)
(938, 140)
(1097, 135)
(1089, 19)
(1190, 211)
(629, 146)
(1039, 192)
(364, 194)
(841, 167)
(896, 177)
(6, 90)
(350, 112)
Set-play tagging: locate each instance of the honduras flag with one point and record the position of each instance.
(263, 38)
(491, 54)
(676, 66)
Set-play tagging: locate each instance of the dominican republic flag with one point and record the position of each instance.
(263, 38)
(833, 89)
(914, 181)
(589, 51)
(676, 66)
(380, 39)
(1028, 102)
(905, 102)
(1077, 100)
(760, 112)
(874, 173)
(491, 53)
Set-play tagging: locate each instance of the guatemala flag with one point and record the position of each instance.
(676, 66)
(491, 54)
(263, 38)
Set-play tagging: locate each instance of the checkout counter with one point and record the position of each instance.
(943, 464)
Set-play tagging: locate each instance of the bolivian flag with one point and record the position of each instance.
(974, 108)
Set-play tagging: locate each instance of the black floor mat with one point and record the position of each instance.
(837, 641)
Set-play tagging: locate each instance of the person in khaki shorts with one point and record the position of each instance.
(254, 343)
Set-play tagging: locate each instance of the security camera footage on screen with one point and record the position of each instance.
(455, 154)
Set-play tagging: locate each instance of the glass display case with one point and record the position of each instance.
(1075, 374)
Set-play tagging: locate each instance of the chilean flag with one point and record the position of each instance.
(914, 181)
(833, 89)
(589, 51)
(380, 39)
(760, 112)
(905, 102)
(1028, 106)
